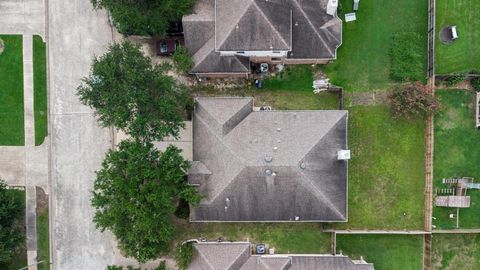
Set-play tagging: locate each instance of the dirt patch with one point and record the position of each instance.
(42, 201)
(2, 46)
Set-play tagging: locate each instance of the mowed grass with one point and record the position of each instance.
(11, 91)
(456, 251)
(40, 89)
(290, 90)
(464, 54)
(457, 153)
(386, 252)
(284, 237)
(43, 250)
(363, 61)
(386, 172)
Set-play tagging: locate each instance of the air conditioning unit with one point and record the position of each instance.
(343, 155)
(332, 7)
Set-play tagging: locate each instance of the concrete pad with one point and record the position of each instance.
(12, 165)
(36, 166)
(22, 17)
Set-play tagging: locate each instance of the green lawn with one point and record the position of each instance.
(40, 89)
(284, 237)
(11, 92)
(457, 153)
(386, 252)
(464, 54)
(43, 241)
(291, 90)
(456, 251)
(363, 61)
(386, 172)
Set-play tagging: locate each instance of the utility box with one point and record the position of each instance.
(355, 4)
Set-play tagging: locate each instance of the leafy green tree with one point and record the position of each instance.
(413, 99)
(183, 62)
(12, 210)
(135, 195)
(130, 94)
(184, 255)
(145, 17)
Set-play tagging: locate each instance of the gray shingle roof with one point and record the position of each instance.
(300, 26)
(237, 256)
(268, 166)
(250, 25)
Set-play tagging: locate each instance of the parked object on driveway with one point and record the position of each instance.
(167, 46)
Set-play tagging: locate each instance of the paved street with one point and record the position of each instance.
(76, 33)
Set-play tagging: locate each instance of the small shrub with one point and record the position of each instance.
(476, 84)
(182, 61)
(454, 79)
(413, 99)
(184, 255)
(407, 63)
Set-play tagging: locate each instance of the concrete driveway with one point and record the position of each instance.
(22, 16)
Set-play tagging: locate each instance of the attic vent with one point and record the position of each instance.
(268, 158)
(303, 166)
(268, 172)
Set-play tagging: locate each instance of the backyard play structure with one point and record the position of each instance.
(455, 195)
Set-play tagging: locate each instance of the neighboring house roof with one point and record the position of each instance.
(268, 166)
(301, 27)
(237, 256)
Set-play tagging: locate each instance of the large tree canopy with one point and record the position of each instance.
(128, 93)
(12, 210)
(145, 17)
(135, 195)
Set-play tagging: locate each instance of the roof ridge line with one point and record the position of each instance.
(207, 261)
(228, 34)
(273, 27)
(320, 139)
(312, 26)
(206, 54)
(322, 195)
(242, 162)
(236, 258)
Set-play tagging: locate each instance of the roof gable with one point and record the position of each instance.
(256, 26)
